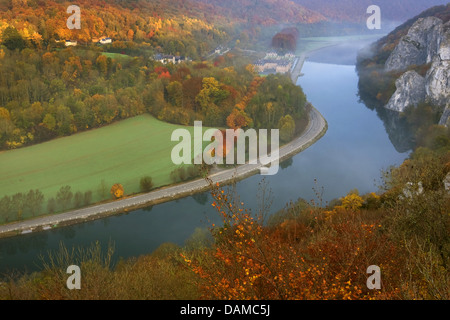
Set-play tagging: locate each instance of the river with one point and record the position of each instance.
(350, 156)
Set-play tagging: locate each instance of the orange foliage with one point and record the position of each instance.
(164, 75)
(238, 118)
(292, 260)
(117, 191)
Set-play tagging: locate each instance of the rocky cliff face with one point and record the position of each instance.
(445, 119)
(410, 91)
(427, 41)
(419, 46)
(438, 77)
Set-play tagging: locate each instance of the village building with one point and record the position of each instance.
(165, 59)
(283, 66)
(71, 43)
(105, 41)
(271, 55)
(273, 66)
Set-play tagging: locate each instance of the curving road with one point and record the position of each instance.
(315, 130)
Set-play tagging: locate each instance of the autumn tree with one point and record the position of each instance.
(306, 256)
(239, 119)
(117, 191)
(49, 121)
(102, 64)
(287, 128)
(176, 96)
(12, 39)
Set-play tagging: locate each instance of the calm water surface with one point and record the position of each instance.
(351, 155)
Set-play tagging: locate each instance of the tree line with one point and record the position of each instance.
(48, 94)
(33, 203)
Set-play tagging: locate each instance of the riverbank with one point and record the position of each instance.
(315, 130)
(297, 69)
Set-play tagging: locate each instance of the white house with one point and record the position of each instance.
(289, 55)
(271, 55)
(71, 43)
(105, 41)
(165, 59)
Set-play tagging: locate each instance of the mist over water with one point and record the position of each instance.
(341, 54)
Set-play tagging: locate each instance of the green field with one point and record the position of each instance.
(119, 153)
(117, 56)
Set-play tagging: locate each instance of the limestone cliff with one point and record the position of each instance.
(437, 79)
(427, 41)
(410, 91)
(419, 46)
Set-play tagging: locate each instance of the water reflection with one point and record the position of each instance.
(201, 198)
(287, 163)
(397, 128)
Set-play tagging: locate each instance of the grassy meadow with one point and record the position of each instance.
(123, 153)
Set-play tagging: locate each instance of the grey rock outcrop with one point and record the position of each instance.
(419, 46)
(410, 91)
(437, 78)
(427, 41)
(445, 118)
(447, 183)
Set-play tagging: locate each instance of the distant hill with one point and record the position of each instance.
(187, 27)
(265, 12)
(355, 10)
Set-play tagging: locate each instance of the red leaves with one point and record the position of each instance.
(325, 258)
(162, 72)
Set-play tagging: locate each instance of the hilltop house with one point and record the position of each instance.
(220, 50)
(71, 43)
(105, 41)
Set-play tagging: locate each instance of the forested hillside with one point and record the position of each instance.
(355, 10)
(265, 12)
(56, 93)
(177, 26)
(48, 90)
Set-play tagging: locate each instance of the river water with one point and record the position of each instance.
(351, 155)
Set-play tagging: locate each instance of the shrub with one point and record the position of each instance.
(146, 184)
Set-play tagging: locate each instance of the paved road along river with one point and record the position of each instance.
(315, 130)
